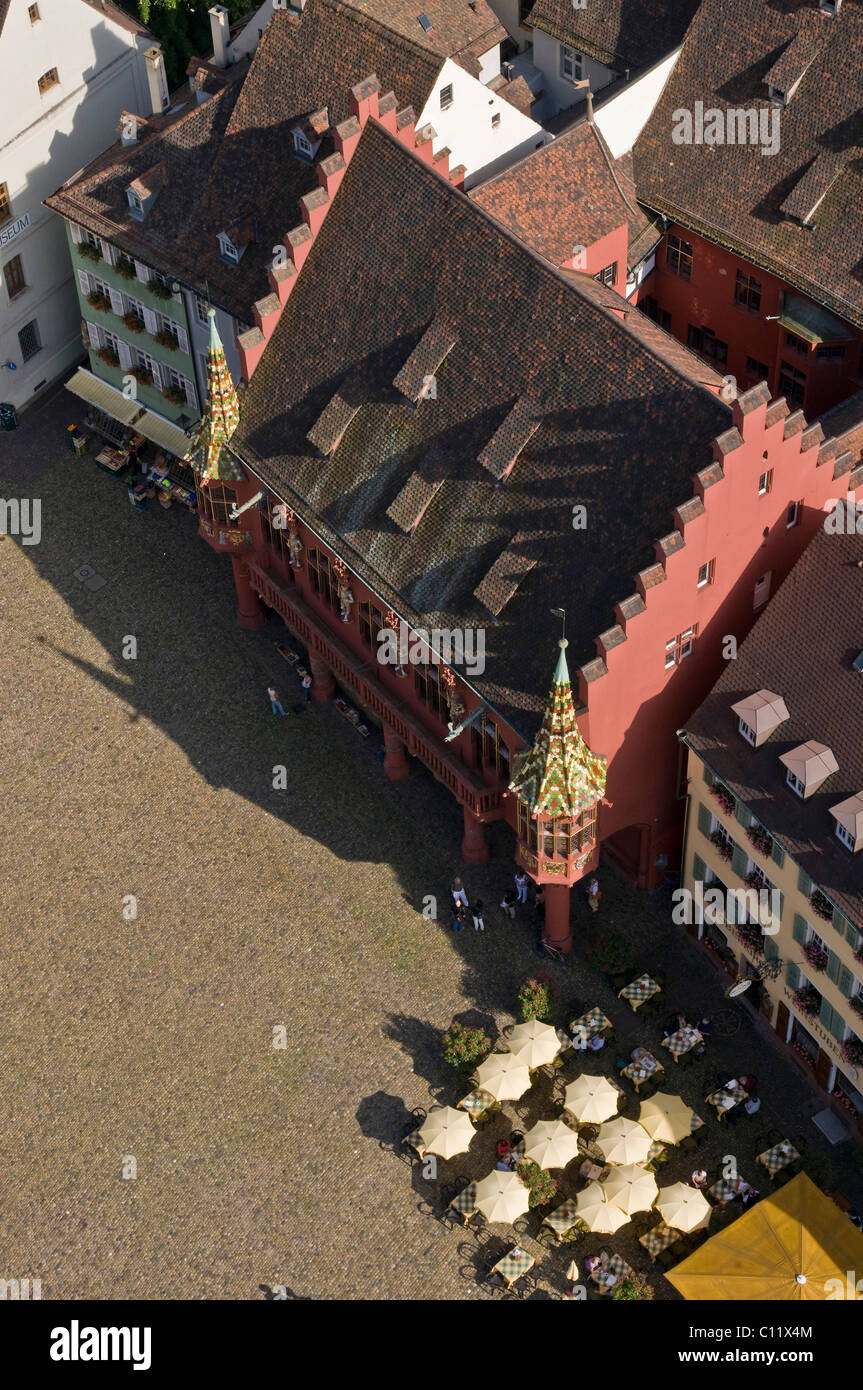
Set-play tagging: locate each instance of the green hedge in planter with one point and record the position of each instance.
(159, 289)
(465, 1047)
(89, 251)
(126, 267)
(539, 1182)
(632, 1287)
(534, 1000)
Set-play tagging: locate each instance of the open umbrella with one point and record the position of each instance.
(591, 1099)
(631, 1188)
(504, 1075)
(666, 1117)
(596, 1211)
(502, 1196)
(534, 1043)
(623, 1141)
(683, 1207)
(551, 1144)
(447, 1132)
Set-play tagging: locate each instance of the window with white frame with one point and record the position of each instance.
(792, 516)
(133, 306)
(446, 97)
(181, 383)
(794, 783)
(134, 202)
(705, 574)
(302, 144)
(167, 325)
(571, 63)
(845, 836)
(202, 309)
(765, 482)
(110, 340)
(680, 647)
(146, 362)
(746, 731)
(228, 250)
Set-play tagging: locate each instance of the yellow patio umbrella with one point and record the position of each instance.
(502, 1196)
(504, 1075)
(551, 1144)
(596, 1211)
(623, 1141)
(683, 1207)
(631, 1188)
(793, 1246)
(591, 1099)
(666, 1117)
(534, 1043)
(447, 1131)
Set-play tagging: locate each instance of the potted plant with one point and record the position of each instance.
(634, 1286)
(125, 266)
(816, 955)
(108, 355)
(534, 1000)
(89, 251)
(174, 395)
(166, 339)
(760, 839)
(465, 1047)
(539, 1182)
(723, 848)
(755, 879)
(142, 375)
(808, 1000)
(724, 797)
(133, 322)
(852, 1051)
(159, 288)
(98, 300)
(752, 937)
(821, 904)
(856, 1002)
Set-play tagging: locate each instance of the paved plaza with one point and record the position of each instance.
(145, 1043)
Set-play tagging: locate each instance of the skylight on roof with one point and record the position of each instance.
(424, 21)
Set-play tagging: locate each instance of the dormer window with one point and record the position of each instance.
(844, 835)
(228, 250)
(830, 6)
(779, 98)
(808, 767)
(136, 207)
(302, 145)
(759, 715)
(848, 816)
(746, 731)
(795, 784)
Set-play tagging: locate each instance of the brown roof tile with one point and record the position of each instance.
(619, 33)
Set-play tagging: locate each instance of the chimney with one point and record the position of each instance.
(220, 31)
(157, 81)
(589, 100)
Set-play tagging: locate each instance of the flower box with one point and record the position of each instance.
(722, 846)
(755, 879)
(142, 375)
(760, 840)
(97, 300)
(808, 1000)
(174, 395)
(751, 936)
(126, 267)
(725, 798)
(108, 356)
(844, 1101)
(89, 251)
(133, 322)
(816, 957)
(166, 339)
(822, 905)
(159, 289)
(856, 1002)
(852, 1051)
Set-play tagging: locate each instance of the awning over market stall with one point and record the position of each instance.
(795, 1245)
(104, 397)
(162, 432)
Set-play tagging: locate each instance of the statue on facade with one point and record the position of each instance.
(454, 704)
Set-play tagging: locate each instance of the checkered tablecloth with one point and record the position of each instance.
(416, 1142)
(514, 1264)
(594, 1021)
(725, 1190)
(696, 1123)
(639, 990)
(716, 1097)
(649, 1065)
(778, 1157)
(682, 1041)
(656, 1151)
(562, 1218)
(658, 1239)
(465, 1202)
(616, 1265)
(476, 1102)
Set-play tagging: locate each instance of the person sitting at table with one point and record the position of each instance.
(673, 1024)
(746, 1192)
(596, 1042)
(504, 1148)
(752, 1105)
(641, 1054)
(725, 1078)
(699, 1178)
(705, 1027)
(735, 1111)
(503, 1165)
(749, 1084)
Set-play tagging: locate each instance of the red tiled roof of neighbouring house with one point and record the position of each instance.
(756, 204)
(459, 29)
(619, 33)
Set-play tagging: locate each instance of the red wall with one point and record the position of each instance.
(707, 300)
(608, 249)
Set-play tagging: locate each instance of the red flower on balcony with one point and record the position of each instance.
(724, 797)
(816, 955)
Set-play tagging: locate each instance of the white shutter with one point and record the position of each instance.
(183, 339)
(151, 323)
(94, 334)
(109, 252)
(143, 273)
(84, 282)
(191, 393)
(116, 302)
(158, 372)
(125, 354)
(76, 233)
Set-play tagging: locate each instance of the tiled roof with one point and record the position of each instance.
(406, 498)
(460, 29)
(228, 162)
(743, 199)
(801, 648)
(619, 33)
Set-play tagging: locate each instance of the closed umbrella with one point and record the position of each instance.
(623, 1141)
(551, 1144)
(666, 1117)
(504, 1075)
(683, 1207)
(534, 1043)
(502, 1197)
(447, 1132)
(596, 1211)
(631, 1188)
(591, 1099)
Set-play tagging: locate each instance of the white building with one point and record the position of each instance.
(69, 67)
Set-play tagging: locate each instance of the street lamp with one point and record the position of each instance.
(770, 970)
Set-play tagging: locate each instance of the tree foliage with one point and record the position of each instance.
(183, 29)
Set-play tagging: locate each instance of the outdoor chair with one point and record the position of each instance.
(515, 1137)
(524, 1287)
(619, 979)
(666, 1258)
(782, 1177)
(795, 1167)
(687, 1143)
(774, 1136)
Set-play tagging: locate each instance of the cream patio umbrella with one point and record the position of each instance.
(502, 1197)
(504, 1075)
(447, 1132)
(551, 1144)
(591, 1099)
(631, 1188)
(534, 1043)
(666, 1117)
(597, 1213)
(683, 1207)
(623, 1141)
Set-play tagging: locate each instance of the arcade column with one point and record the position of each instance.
(250, 614)
(396, 765)
(557, 924)
(474, 849)
(323, 684)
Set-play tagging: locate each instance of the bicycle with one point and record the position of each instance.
(547, 949)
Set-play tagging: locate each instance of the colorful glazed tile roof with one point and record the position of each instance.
(223, 415)
(560, 775)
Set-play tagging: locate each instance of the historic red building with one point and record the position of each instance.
(444, 435)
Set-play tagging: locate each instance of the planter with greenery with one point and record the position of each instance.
(464, 1047)
(724, 797)
(634, 1286)
(808, 1000)
(100, 301)
(534, 1000)
(89, 251)
(126, 267)
(174, 395)
(856, 1002)
(142, 375)
(108, 356)
(816, 955)
(539, 1182)
(760, 839)
(852, 1051)
(166, 339)
(723, 848)
(822, 905)
(752, 937)
(159, 288)
(755, 879)
(133, 322)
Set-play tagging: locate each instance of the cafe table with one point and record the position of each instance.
(562, 1219)
(465, 1202)
(594, 1021)
(659, 1239)
(642, 1070)
(718, 1098)
(637, 991)
(415, 1139)
(477, 1102)
(725, 1190)
(682, 1041)
(656, 1153)
(615, 1265)
(513, 1265)
(778, 1157)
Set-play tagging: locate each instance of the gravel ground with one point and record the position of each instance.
(150, 1038)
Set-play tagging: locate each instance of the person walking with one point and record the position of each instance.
(458, 892)
(593, 895)
(476, 913)
(274, 700)
(459, 917)
(539, 904)
(307, 686)
(521, 885)
(508, 904)
(699, 1178)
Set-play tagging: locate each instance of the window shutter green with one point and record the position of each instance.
(833, 967)
(741, 813)
(846, 981)
(705, 819)
(777, 853)
(792, 975)
(781, 902)
(853, 936)
(739, 860)
(800, 928)
(699, 868)
(840, 921)
(804, 883)
(839, 1026)
(771, 950)
(709, 777)
(825, 1015)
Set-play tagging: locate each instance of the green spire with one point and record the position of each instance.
(560, 775)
